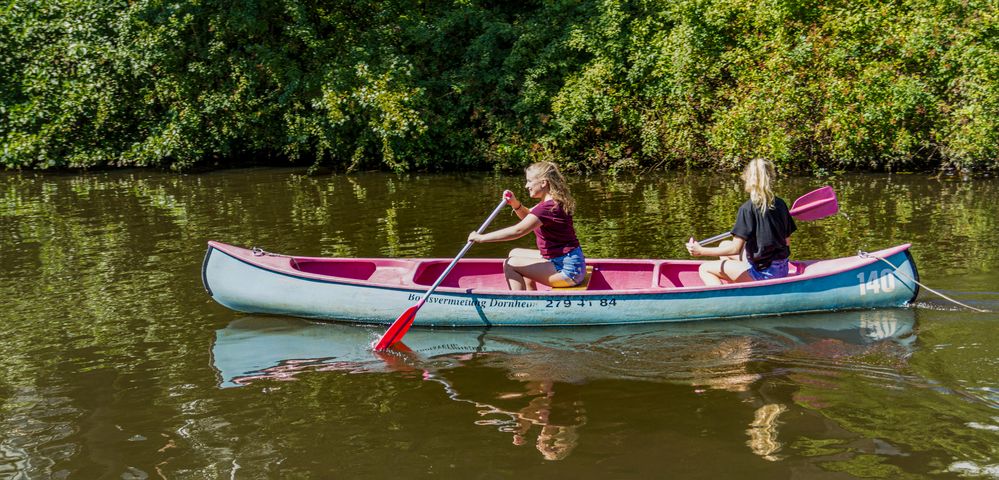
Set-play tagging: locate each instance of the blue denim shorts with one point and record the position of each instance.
(572, 266)
(777, 269)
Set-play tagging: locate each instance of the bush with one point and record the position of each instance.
(595, 85)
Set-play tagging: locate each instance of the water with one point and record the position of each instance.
(117, 364)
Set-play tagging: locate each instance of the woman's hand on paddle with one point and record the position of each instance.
(511, 199)
(694, 248)
(475, 237)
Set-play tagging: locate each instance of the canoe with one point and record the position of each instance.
(618, 291)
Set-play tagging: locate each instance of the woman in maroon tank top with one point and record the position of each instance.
(559, 260)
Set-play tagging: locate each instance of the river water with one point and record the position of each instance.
(117, 364)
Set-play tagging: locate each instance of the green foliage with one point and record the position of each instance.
(596, 85)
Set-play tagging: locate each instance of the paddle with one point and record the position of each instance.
(401, 325)
(813, 205)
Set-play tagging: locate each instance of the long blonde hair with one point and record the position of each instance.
(759, 178)
(557, 186)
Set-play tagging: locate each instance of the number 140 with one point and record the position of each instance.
(877, 282)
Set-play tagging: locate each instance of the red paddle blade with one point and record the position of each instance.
(398, 328)
(816, 204)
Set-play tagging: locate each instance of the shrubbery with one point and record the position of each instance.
(596, 85)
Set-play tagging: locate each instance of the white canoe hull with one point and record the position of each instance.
(244, 282)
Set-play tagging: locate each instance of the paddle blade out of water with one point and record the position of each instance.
(816, 204)
(401, 325)
(819, 203)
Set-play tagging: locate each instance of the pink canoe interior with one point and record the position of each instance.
(375, 271)
(487, 274)
(468, 273)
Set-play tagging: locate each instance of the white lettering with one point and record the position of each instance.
(876, 282)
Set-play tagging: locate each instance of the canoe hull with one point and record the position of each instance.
(242, 283)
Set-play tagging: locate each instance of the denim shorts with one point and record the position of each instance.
(777, 269)
(572, 266)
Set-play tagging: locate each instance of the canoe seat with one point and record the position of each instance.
(584, 285)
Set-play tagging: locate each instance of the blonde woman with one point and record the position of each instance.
(558, 261)
(762, 227)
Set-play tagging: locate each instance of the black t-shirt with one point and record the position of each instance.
(765, 235)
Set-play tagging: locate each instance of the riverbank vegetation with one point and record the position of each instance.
(596, 85)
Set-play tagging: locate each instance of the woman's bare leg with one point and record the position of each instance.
(524, 268)
(731, 268)
(714, 272)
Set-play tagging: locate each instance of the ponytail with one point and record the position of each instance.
(759, 177)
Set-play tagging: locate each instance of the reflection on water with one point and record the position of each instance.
(706, 353)
(763, 431)
(108, 339)
(718, 355)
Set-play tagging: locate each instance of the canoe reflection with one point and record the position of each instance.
(546, 366)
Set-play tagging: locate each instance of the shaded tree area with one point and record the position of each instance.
(431, 86)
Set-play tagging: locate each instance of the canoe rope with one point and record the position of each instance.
(864, 254)
(259, 252)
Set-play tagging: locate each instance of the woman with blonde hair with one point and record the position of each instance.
(762, 227)
(558, 261)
